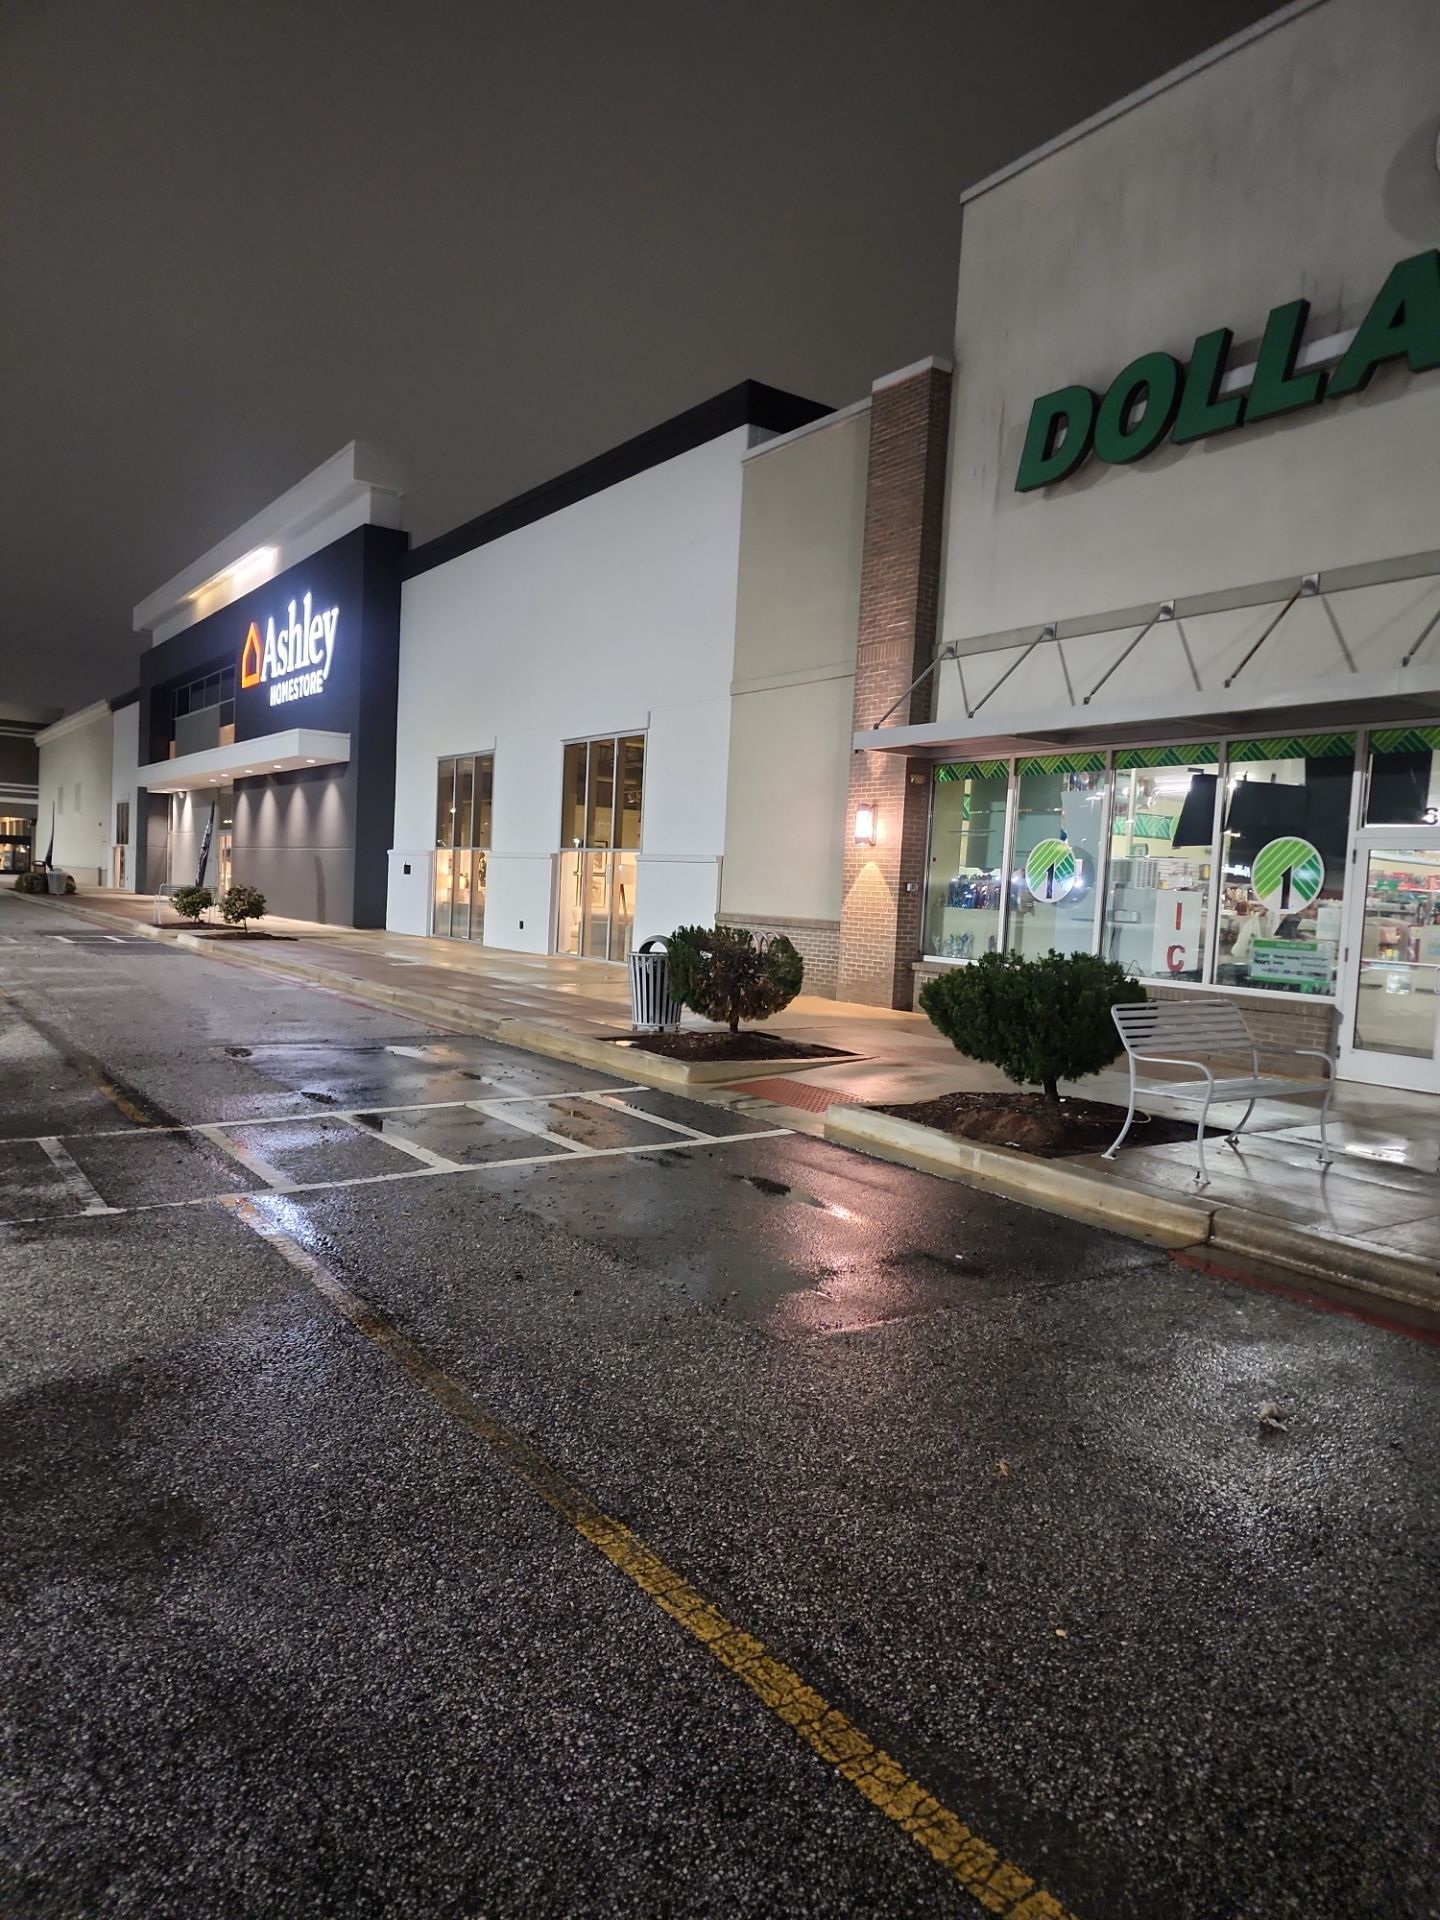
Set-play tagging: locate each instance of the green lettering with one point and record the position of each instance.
(1404, 319)
(1058, 437)
(1277, 388)
(1121, 439)
(1202, 411)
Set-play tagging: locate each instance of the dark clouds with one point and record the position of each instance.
(496, 239)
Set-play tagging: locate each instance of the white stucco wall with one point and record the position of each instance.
(1300, 165)
(802, 530)
(75, 764)
(615, 615)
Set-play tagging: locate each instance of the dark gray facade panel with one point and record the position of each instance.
(315, 841)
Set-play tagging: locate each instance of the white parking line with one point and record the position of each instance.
(294, 1187)
(318, 1113)
(436, 1161)
(252, 1163)
(75, 1182)
(513, 1119)
(613, 1105)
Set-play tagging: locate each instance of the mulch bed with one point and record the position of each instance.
(231, 933)
(1029, 1122)
(745, 1045)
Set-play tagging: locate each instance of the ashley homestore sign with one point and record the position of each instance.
(1156, 397)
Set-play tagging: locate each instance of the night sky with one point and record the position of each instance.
(494, 239)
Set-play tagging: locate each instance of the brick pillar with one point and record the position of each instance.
(880, 922)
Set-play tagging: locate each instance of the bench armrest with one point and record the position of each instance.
(1170, 1060)
(1303, 1053)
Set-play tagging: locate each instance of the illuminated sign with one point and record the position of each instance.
(293, 659)
(1157, 397)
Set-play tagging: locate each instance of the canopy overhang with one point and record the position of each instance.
(296, 748)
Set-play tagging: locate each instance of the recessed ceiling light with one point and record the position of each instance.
(277, 768)
(311, 763)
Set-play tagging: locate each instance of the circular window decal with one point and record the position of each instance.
(1051, 870)
(1287, 874)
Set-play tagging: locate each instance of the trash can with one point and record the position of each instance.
(653, 1007)
(55, 882)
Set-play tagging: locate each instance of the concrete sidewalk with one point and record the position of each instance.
(1381, 1188)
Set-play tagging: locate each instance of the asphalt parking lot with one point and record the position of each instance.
(439, 1481)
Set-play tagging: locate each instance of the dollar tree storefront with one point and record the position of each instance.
(1184, 709)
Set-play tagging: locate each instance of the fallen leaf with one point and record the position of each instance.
(1061, 1634)
(1003, 1469)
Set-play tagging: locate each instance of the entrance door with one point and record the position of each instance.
(1390, 1003)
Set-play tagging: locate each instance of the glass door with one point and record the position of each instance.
(1391, 991)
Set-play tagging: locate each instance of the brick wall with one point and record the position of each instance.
(882, 897)
(1284, 1020)
(816, 941)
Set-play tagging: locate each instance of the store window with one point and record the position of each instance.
(966, 877)
(203, 713)
(1286, 842)
(1060, 805)
(601, 805)
(1404, 777)
(464, 792)
(1162, 847)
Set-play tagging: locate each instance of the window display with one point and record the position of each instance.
(1162, 835)
(966, 879)
(1286, 841)
(1059, 814)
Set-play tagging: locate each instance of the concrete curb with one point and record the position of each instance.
(1356, 1264)
(1078, 1192)
(1353, 1266)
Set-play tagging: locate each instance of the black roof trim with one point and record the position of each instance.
(748, 405)
(123, 700)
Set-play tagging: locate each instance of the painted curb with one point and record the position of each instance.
(1079, 1192)
(1357, 1264)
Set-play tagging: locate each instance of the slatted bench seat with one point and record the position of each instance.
(1199, 1035)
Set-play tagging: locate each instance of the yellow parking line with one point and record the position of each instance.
(1000, 1887)
(117, 1099)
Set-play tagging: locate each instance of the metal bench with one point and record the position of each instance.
(1193, 1034)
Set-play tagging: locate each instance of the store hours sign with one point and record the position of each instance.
(291, 657)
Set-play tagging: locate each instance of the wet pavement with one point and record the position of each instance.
(285, 1636)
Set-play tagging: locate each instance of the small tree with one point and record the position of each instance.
(1046, 1019)
(241, 904)
(191, 902)
(725, 973)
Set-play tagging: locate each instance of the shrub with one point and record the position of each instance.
(1045, 1020)
(239, 904)
(725, 973)
(191, 902)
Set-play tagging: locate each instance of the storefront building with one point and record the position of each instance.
(1182, 706)
(264, 728)
(566, 660)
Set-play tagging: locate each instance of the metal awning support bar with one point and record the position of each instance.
(945, 653)
(1420, 639)
(1165, 611)
(1309, 585)
(1045, 633)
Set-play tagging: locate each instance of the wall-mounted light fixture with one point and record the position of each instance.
(864, 826)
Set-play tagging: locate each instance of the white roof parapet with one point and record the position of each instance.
(358, 486)
(72, 722)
